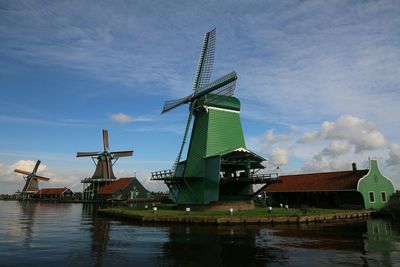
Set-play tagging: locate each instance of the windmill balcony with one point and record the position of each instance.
(162, 175)
(254, 179)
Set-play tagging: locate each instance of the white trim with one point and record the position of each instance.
(369, 196)
(385, 197)
(222, 109)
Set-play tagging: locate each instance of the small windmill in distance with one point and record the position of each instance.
(103, 173)
(31, 181)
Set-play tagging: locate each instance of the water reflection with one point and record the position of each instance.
(381, 238)
(27, 221)
(219, 246)
(52, 234)
(99, 231)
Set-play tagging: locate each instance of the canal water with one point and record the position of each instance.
(64, 234)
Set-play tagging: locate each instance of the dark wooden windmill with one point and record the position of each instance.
(103, 174)
(31, 181)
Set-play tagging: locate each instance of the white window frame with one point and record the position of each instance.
(369, 196)
(385, 196)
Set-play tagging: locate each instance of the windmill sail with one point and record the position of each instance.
(36, 166)
(222, 86)
(105, 140)
(31, 179)
(105, 159)
(202, 78)
(87, 154)
(206, 61)
(227, 81)
(168, 105)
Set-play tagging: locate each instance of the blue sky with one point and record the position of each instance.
(318, 82)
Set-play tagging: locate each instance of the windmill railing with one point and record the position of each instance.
(162, 175)
(257, 178)
(91, 180)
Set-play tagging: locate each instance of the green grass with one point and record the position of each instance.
(255, 213)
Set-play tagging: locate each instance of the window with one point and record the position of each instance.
(371, 197)
(383, 196)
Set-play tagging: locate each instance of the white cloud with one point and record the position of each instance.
(271, 138)
(361, 134)
(278, 157)
(121, 118)
(28, 165)
(326, 164)
(125, 118)
(308, 137)
(394, 156)
(346, 139)
(336, 148)
(295, 128)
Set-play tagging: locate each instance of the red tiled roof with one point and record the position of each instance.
(51, 191)
(327, 181)
(111, 188)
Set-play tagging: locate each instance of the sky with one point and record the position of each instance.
(318, 81)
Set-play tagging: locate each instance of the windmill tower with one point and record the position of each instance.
(31, 181)
(218, 166)
(103, 173)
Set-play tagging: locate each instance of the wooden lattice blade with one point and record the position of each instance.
(105, 140)
(22, 172)
(42, 178)
(168, 105)
(87, 154)
(36, 166)
(215, 85)
(119, 154)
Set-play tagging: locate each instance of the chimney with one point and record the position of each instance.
(354, 165)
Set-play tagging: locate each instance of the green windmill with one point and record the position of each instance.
(218, 166)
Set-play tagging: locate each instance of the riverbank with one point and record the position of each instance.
(255, 216)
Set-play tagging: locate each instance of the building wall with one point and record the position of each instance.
(374, 183)
(327, 199)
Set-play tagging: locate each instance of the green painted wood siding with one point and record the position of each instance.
(214, 131)
(375, 183)
(224, 132)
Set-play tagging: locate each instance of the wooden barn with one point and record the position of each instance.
(46, 193)
(367, 189)
(123, 189)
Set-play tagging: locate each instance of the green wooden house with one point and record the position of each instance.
(374, 187)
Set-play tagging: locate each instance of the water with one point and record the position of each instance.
(58, 234)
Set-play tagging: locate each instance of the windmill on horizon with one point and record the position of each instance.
(31, 182)
(104, 161)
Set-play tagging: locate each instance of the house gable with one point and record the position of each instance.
(374, 181)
